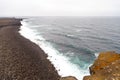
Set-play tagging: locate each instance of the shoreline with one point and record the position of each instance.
(20, 58)
(54, 56)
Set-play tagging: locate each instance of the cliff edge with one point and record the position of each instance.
(105, 67)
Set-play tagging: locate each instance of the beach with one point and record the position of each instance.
(21, 59)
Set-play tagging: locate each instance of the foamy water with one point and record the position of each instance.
(60, 62)
(73, 43)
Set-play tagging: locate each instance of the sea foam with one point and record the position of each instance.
(60, 62)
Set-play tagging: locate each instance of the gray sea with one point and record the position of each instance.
(73, 43)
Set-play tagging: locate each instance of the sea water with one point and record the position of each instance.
(72, 43)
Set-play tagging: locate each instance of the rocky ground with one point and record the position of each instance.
(20, 59)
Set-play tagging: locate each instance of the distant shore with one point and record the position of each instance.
(20, 59)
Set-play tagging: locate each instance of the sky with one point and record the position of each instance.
(59, 7)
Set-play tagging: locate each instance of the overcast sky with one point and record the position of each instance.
(59, 7)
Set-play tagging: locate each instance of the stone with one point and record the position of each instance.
(105, 67)
(68, 78)
(104, 59)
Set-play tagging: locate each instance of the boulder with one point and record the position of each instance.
(104, 59)
(105, 67)
(68, 78)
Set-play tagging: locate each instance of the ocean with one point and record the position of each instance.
(73, 43)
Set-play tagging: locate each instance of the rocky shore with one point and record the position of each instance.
(105, 67)
(20, 59)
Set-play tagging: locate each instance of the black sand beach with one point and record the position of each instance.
(20, 59)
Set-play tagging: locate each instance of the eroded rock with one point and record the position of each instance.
(105, 67)
(104, 59)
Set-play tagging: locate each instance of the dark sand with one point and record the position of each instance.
(20, 59)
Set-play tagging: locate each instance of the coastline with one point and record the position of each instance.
(54, 56)
(20, 58)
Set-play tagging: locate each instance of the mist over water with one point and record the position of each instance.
(72, 43)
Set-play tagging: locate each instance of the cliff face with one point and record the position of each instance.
(105, 67)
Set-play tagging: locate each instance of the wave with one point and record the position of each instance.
(79, 50)
(61, 63)
(67, 35)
